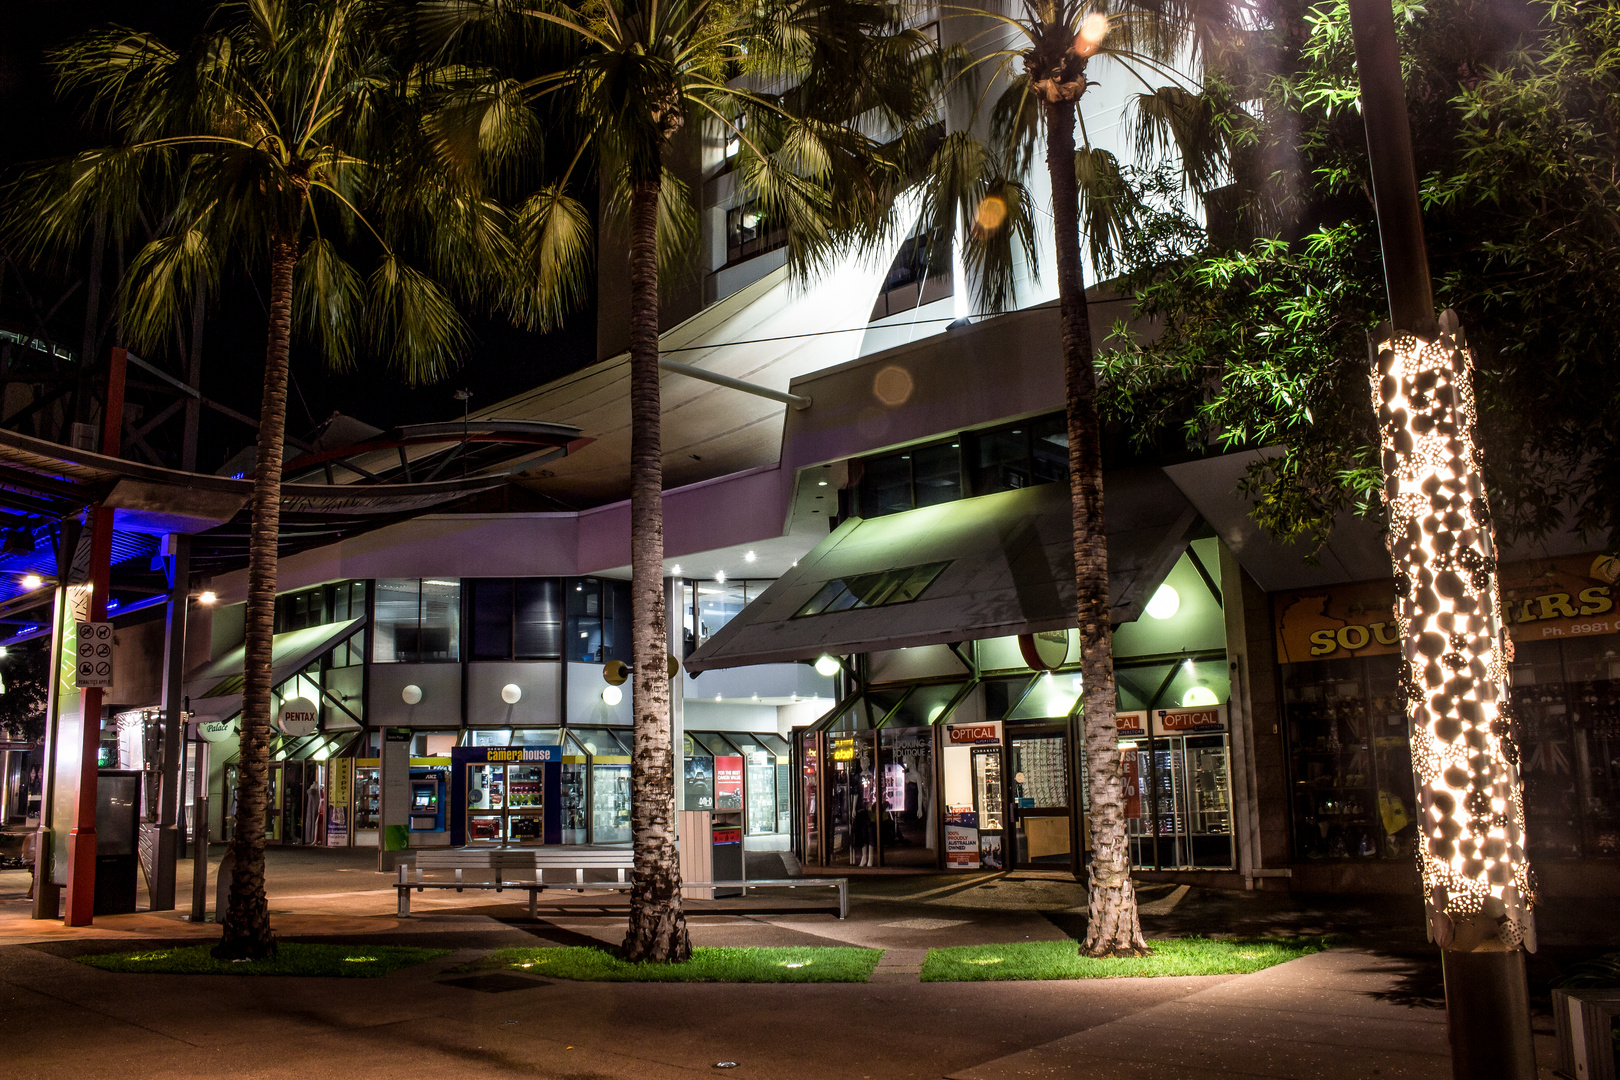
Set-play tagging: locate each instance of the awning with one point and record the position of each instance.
(979, 568)
(215, 689)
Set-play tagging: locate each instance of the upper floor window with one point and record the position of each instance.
(920, 274)
(597, 620)
(975, 463)
(322, 604)
(416, 620)
(709, 605)
(750, 232)
(515, 618)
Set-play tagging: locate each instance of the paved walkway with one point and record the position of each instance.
(1371, 1009)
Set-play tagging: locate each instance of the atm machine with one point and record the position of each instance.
(427, 800)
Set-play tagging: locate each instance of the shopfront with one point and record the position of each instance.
(1353, 793)
(740, 771)
(1178, 788)
(554, 786)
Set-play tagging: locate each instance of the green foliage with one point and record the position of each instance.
(291, 958)
(284, 121)
(1516, 128)
(612, 82)
(25, 670)
(1031, 960)
(804, 964)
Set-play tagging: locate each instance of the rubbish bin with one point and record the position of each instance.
(726, 864)
(117, 841)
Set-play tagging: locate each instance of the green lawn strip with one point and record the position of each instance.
(1062, 959)
(292, 958)
(806, 964)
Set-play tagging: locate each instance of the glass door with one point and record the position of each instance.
(1167, 783)
(852, 800)
(1040, 803)
(1209, 802)
(525, 804)
(486, 801)
(809, 761)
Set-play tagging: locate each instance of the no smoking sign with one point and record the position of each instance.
(95, 654)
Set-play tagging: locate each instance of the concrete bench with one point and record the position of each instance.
(500, 862)
(1585, 1019)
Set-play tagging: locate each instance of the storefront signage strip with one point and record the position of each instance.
(970, 734)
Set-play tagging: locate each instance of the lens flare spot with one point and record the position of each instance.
(992, 213)
(1092, 31)
(893, 386)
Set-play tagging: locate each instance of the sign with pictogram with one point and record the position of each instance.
(95, 654)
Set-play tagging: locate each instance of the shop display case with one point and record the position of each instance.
(988, 799)
(505, 804)
(367, 796)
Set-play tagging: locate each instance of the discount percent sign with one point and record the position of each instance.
(95, 641)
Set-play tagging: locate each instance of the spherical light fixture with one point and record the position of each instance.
(1197, 697)
(511, 693)
(612, 695)
(1165, 603)
(411, 695)
(827, 666)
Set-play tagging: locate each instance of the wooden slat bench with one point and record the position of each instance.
(501, 864)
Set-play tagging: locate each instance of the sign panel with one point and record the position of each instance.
(972, 734)
(297, 716)
(213, 730)
(1570, 596)
(95, 654)
(1189, 721)
(728, 783)
(699, 782)
(1131, 724)
(961, 840)
(339, 791)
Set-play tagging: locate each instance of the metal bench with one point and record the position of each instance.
(1584, 1019)
(500, 862)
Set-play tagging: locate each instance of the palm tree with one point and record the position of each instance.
(282, 137)
(1038, 60)
(617, 81)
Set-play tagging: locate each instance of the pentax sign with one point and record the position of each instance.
(95, 654)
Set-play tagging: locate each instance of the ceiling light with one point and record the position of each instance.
(207, 596)
(1197, 696)
(411, 695)
(750, 557)
(827, 666)
(676, 570)
(32, 581)
(612, 695)
(720, 576)
(511, 693)
(821, 483)
(1165, 603)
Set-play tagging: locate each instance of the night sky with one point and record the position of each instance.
(34, 125)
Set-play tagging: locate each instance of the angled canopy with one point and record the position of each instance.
(215, 689)
(986, 567)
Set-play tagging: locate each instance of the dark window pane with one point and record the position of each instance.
(492, 619)
(824, 596)
(886, 485)
(938, 470)
(582, 633)
(1049, 442)
(397, 614)
(539, 619)
(616, 630)
(1000, 461)
(918, 580)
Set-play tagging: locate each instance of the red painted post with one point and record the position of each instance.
(81, 871)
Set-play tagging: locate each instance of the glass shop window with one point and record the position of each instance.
(417, 621)
(597, 620)
(1000, 460)
(1049, 449)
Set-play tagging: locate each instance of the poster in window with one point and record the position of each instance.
(699, 783)
(728, 783)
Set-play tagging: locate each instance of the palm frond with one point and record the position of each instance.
(554, 243)
(328, 302)
(163, 279)
(1109, 206)
(412, 323)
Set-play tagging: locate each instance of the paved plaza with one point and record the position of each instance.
(1370, 1008)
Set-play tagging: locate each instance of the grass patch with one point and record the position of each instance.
(1062, 959)
(333, 961)
(743, 965)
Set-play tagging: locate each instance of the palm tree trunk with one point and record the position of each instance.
(247, 931)
(1112, 928)
(657, 923)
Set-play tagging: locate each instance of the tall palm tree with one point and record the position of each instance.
(617, 81)
(282, 137)
(1037, 59)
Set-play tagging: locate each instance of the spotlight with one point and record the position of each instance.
(207, 596)
(827, 666)
(32, 581)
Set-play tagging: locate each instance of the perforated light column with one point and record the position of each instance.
(1471, 809)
